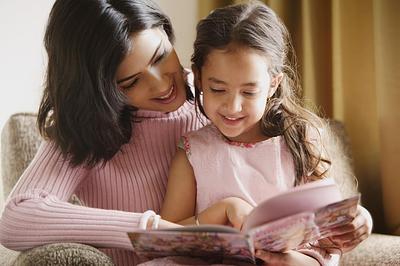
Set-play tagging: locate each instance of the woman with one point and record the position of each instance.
(114, 104)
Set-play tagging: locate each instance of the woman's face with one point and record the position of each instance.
(151, 75)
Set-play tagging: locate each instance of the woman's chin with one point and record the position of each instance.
(173, 105)
(176, 104)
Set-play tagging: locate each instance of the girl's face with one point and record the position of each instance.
(151, 75)
(236, 86)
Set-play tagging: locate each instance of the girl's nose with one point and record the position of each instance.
(233, 104)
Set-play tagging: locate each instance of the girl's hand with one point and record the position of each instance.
(287, 258)
(162, 224)
(236, 211)
(348, 236)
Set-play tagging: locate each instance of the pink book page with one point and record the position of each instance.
(308, 197)
(284, 234)
(209, 244)
(296, 230)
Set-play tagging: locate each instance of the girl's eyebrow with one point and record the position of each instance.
(218, 81)
(151, 60)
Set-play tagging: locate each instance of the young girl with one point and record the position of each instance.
(261, 140)
(114, 106)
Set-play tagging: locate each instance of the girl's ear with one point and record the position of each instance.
(275, 81)
(197, 77)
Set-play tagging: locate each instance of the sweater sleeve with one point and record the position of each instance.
(37, 211)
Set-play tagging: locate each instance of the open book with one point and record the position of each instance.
(286, 221)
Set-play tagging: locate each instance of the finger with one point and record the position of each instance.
(338, 239)
(269, 257)
(358, 222)
(237, 221)
(355, 242)
(350, 245)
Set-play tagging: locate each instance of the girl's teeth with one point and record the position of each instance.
(232, 119)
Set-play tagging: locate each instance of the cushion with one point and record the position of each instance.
(63, 254)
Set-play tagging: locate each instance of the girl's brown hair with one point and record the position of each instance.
(254, 25)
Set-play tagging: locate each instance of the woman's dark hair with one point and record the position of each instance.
(254, 25)
(82, 110)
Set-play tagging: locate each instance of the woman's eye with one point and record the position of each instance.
(130, 85)
(160, 57)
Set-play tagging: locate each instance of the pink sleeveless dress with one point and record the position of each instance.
(251, 171)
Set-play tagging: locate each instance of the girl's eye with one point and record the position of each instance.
(130, 85)
(250, 93)
(216, 90)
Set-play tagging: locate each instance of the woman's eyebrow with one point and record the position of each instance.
(151, 60)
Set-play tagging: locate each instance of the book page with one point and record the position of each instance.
(304, 198)
(204, 228)
(160, 243)
(296, 230)
(284, 234)
(336, 214)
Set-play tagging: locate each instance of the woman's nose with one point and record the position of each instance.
(158, 80)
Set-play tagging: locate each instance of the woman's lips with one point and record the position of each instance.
(168, 97)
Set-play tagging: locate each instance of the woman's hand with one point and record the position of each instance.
(286, 258)
(236, 211)
(348, 236)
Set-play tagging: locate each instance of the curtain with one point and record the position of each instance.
(349, 61)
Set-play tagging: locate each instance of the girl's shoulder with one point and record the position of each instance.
(206, 132)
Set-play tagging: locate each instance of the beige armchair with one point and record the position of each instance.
(19, 142)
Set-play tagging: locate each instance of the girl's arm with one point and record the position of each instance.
(180, 200)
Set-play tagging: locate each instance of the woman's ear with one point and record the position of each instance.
(197, 77)
(275, 81)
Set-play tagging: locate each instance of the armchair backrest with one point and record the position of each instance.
(20, 141)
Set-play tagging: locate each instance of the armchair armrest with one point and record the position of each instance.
(377, 249)
(20, 140)
(63, 254)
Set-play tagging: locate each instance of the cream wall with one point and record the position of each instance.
(22, 25)
(184, 15)
(22, 56)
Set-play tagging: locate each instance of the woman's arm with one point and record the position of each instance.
(37, 212)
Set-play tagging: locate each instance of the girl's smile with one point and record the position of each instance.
(232, 121)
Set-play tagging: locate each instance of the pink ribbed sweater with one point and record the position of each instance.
(37, 211)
